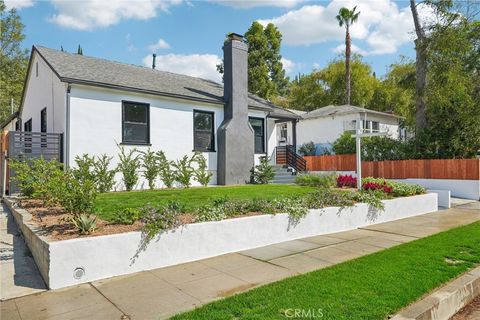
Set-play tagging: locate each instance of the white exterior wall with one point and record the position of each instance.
(325, 130)
(96, 126)
(11, 125)
(46, 90)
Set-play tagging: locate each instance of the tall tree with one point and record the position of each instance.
(266, 74)
(346, 18)
(421, 69)
(13, 60)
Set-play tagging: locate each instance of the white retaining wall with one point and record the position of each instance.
(112, 255)
(467, 189)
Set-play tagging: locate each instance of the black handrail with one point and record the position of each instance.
(292, 158)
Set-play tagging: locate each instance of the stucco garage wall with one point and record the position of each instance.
(96, 126)
(107, 256)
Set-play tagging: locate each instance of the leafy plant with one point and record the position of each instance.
(160, 218)
(84, 168)
(129, 163)
(127, 216)
(346, 180)
(84, 223)
(167, 175)
(104, 177)
(316, 180)
(263, 172)
(77, 196)
(345, 144)
(398, 189)
(201, 174)
(150, 167)
(377, 186)
(184, 171)
(307, 149)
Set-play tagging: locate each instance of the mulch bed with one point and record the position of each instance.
(467, 313)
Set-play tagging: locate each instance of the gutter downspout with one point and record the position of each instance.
(67, 128)
(266, 133)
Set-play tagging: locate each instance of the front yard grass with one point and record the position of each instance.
(370, 287)
(107, 204)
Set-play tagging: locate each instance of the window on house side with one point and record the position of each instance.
(135, 123)
(258, 125)
(43, 120)
(375, 126)
(203, 131)
(283, 132)
(27, 127)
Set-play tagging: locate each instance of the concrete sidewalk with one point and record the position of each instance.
(160, 293)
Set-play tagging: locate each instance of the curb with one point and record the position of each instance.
(446, 301)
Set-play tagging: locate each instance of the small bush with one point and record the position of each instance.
(127, 216)
(263, 173)
(104, 177)
(398, 189)
(84, 168)
(346, 181)
(129, 163)
(77, 196)
(167, 175)
(307, 149)
(316, 180)
(84, 223)
(345, 144)
(201, 174)
(368, 186)
(150, 167)
(184, 171)
(160, 218)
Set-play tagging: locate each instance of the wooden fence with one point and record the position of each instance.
(461, 169)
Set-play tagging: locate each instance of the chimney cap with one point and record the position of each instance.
(235, 36)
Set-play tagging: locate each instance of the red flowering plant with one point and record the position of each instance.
(346, 181)
(377, 186)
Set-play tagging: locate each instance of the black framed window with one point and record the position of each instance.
(375, 126)
(27, 126)
(203, 131)
(135, 123)
(43, 120)
(258, 125)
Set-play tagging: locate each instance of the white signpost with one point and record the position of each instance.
(358, 137)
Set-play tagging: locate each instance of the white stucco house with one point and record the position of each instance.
(96, 103)
(325, 125)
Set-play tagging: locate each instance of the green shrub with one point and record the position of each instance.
(201, 174)
(77, 196)
(345, 144)
(316, 180)
(184, 171)
(167, 175)
(151, 167)
(127, 216)
(104, 177)
(263, 172)
(307, 149)
(129, 163)
(160, 218)
(84, 168)
(39, 179)
(399, 189)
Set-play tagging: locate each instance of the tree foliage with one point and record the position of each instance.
(13, 60)
(266, 74)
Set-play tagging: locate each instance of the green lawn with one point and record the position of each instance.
(371, 287)
(109, 203)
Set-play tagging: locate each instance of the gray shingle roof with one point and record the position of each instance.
(94, 71)
(344, 109)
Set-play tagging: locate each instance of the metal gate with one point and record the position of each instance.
(31, 145)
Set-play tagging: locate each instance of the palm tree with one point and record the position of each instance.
(347, 17)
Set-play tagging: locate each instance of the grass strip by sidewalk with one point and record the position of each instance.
(108, 204)
(370, 287)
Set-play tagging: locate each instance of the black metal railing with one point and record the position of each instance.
(287, 155)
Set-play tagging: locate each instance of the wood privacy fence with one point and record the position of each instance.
(461, 169)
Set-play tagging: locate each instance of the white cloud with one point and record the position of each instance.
(195, 65)
(18, 4)
(160, 44)
(288, 65)
(340, 49)
(381, 24)
(248, 4)
(91, 14)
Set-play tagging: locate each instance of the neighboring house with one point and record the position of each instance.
(97, 103)
(10, 124)
(325, 125)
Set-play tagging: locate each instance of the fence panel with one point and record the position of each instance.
(461, 169)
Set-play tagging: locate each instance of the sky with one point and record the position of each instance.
(187, 36)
